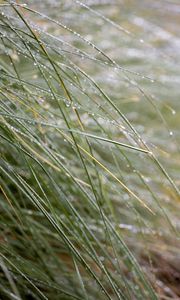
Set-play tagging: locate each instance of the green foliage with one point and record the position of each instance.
(89, 151)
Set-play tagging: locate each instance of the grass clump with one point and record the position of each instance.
(89, 151)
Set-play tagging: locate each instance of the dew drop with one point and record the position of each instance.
(101, 258)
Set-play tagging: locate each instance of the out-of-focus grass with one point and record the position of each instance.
(89, 150)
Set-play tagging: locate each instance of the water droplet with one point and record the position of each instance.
(101, 258)
(68, 104)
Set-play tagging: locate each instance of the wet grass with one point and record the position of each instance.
(89, 150)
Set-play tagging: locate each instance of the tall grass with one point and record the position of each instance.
(89, 153)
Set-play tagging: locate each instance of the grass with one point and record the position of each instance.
(89, 151)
